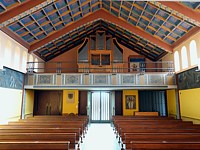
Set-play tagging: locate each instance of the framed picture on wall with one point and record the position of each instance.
(130, 101)
(136, 63)
(70, 97)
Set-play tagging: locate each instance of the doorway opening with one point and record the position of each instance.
(100, 107)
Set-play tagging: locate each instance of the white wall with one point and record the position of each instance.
(186, 43)
(10, 104)
(13, 55)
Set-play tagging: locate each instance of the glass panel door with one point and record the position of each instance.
(100, 107)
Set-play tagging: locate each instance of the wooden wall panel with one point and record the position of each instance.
(82, 103)
(47, 102)
(118, 103)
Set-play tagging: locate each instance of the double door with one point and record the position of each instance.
(100, 106)
(47, 102)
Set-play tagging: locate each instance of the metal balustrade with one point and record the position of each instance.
(85, 67)
(162, 76)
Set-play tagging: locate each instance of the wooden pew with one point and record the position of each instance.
(34, 145)
(44, 130)
(46, 125)
(165, 145)
(124, 131)
(157, 121)
(127, 119)
(68, 117)
(164, 130)
(84, 119)
(156, 125)
(143, 128)
(171, 137)
(66, 122)
(71, 137)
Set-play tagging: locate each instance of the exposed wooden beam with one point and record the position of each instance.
(15, 37)
(192, 32)
(102, 14)
(19, 9)
(182, 9)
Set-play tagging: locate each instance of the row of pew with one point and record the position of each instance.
(156, 132)
(44, 132)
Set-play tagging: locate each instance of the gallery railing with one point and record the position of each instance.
(113, 67)
(69, 74)
(100, 80)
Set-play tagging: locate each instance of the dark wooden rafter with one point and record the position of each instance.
(165, 28)
(38, 54)
(6, 8)
(192, 32)
(145, 48)
(141, 33)
(183, 10)
(19, 9)
(141, 14)
(49, 20)
(107, 16)
(167, 36)
(120, 7)
(192, 7)
(15, 37)
(71, 12)
(197, 8)
(63, 50)
(161, 56)
(38, 25)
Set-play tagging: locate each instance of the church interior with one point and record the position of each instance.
(126, 73)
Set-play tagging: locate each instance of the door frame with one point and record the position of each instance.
(110, 108)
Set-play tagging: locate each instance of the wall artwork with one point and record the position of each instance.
(130, 101)
(10, 78)
(189, 79)
(136, 64)
(70, 97)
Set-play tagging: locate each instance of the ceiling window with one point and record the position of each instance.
(193, 53)
(184, 57)
(176, 61)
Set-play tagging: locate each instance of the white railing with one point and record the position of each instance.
(100, 79)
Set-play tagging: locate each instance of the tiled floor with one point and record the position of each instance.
(100, 137)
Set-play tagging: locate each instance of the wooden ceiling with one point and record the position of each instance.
(51, 27)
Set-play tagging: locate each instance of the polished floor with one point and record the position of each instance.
(100, 137)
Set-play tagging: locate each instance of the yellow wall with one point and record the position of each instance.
(130, 111)
(171, 103)
(10, 104)
(190, 103)
(70, 107)
(29, 102)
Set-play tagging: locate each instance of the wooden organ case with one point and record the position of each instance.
(100, 53)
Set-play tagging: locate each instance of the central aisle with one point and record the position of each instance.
(100, 137)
